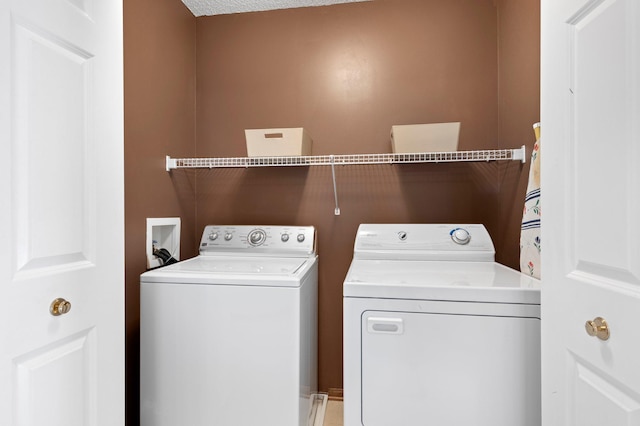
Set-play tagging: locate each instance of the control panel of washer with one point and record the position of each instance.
(267, 239)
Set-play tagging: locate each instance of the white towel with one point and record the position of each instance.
(530, 231)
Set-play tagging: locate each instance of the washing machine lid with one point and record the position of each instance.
(433, 280)
(238, 270)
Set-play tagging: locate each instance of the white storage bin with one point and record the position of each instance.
(435, 137)
(277, 142)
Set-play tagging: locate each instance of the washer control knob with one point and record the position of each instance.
(300, 238)
(402, 235)
(213, 236)
(460, 236)
(284, 238)
(228, 236)
(257, 237)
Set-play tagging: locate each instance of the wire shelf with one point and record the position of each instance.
(349, 159)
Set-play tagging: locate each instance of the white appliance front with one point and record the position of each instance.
(440, 342)
(410, 362)
(229, 340)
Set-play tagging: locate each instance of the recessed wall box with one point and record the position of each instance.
(162, 232)
(278, 142)
(435, 137)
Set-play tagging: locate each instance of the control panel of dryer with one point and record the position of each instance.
(462, 242)
(259, 240)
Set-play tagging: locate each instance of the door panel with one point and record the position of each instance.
(61, 219)
(603, 161)
(71, 364)
(51, 182)
(591, 125)
(615, 406)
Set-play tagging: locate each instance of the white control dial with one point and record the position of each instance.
(284, 238)
(228, 236)
(213, 236)
(300, 238)
(460, 236)
(257, 237)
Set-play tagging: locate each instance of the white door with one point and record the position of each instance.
(591, 220)
(61, 212)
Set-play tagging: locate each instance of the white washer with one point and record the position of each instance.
(436, 332)
(229, 338)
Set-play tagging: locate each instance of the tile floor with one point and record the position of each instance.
(333, 414)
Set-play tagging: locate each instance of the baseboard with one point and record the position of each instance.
(336, 394)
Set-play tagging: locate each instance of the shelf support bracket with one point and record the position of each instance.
(520, 154)
(335, 191)
(170, 163)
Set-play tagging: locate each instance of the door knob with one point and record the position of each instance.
(598, 328)
(59, 307)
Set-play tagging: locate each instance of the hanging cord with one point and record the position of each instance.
(335, 191)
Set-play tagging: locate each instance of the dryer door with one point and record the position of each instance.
(449, 369)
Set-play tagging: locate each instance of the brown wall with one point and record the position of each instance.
(347, 73)
(159, 61)
(519, 108)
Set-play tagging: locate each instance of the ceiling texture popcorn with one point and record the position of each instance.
(223, 7)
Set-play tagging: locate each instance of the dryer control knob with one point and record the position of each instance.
(228, 236)
(460, 236)
(300, 238)
(284, 238)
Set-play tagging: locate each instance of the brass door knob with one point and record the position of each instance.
(59, 307)
(598, 328)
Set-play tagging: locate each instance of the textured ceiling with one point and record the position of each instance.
(222, 7)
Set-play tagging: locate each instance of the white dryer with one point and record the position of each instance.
(436, 332)
(229, 338)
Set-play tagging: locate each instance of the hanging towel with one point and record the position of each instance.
(530, 231)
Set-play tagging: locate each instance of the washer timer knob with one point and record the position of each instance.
(460, 236)
(257, 237)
